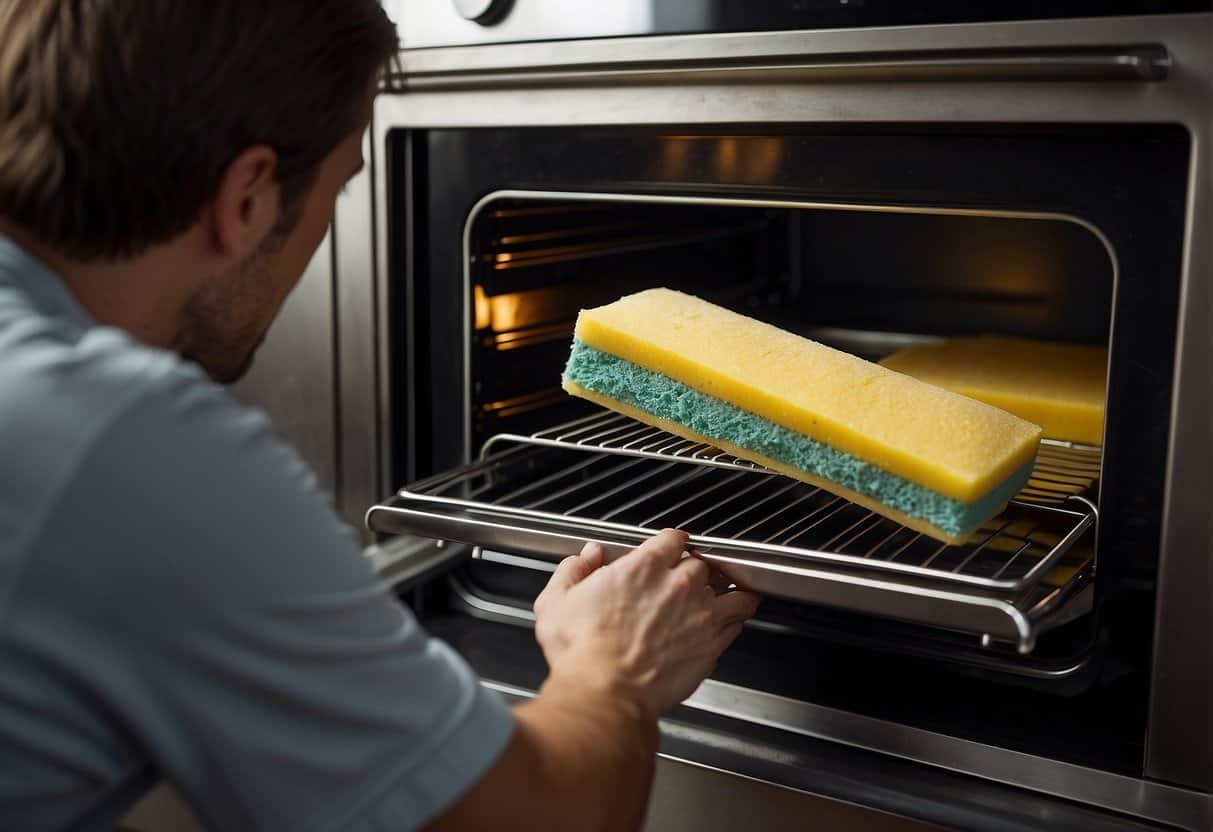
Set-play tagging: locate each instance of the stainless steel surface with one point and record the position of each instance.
(357, 333)
(1181, 807)
(1177, 807)
(1180, 742)
(292, 377)
(1132, 63)
(691, 797)
(1062, 470)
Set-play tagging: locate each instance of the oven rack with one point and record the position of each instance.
(1062, 470)
(1019, 575)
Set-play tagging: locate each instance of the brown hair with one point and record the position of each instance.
(118, 117)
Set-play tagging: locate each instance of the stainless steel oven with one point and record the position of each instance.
(872, 175)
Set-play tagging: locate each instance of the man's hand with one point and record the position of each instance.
(647, 628)
(626, 641)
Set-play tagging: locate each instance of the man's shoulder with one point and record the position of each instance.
(77, 403)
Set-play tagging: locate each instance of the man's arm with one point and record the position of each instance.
(211, 601)
(572, 764)
(626, 642)
(212, 616)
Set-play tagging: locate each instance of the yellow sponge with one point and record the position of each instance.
(960, 448)
(1060, 387)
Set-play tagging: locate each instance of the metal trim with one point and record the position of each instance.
(1106, 35)
(1137, 63)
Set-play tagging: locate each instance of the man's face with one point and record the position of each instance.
(226, 320)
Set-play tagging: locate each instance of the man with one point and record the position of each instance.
(177, 599)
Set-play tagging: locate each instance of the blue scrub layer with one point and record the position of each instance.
(665, 398)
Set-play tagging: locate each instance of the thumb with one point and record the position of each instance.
(573, 570)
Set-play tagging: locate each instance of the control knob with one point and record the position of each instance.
(484, 12)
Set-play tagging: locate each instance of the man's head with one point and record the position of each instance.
(211, 136)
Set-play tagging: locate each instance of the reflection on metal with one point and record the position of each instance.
(503, 341)
(525, 403)
(1183, 808)
(1062, 469)
(507, 313)
(624, 245)
(715, 159)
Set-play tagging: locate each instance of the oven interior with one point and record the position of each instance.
(867, 276)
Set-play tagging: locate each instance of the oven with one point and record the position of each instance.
(873, 176)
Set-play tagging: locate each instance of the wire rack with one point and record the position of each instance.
(1018, 575)
(612, 479)
(1063, 469)
(740, 508)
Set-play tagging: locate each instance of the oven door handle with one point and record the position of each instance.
(1137, 62)
(1130, 63)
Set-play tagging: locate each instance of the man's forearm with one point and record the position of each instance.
(598, 752)
(580, 758)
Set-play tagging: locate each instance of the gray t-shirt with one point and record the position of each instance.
(179, 600)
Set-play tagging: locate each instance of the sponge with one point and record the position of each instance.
(932, 460)
(1061, 387)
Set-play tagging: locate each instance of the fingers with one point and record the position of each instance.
(735, 607)
(665, 548)
(726, 637)
(594, 555)
(573, 570)
(697, 572)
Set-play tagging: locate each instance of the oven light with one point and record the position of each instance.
(484, 311)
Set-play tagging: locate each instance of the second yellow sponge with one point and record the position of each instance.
(1060, 387)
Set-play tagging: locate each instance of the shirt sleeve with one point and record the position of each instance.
(211, 599)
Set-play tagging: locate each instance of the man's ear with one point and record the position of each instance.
(247, 203)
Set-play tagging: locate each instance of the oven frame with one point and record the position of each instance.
(778, 78)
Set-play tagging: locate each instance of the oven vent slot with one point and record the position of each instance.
(1022, 573)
